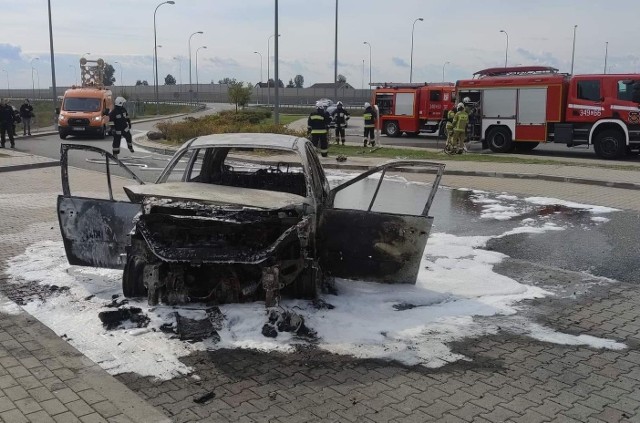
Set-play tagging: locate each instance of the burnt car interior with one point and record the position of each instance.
(219, 168)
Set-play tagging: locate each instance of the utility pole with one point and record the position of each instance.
(573, 50)
(606, 55)
(276, 106)
(335, 60)
(53, 67)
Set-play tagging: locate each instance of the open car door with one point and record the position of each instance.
(95, 231)
(376, 229)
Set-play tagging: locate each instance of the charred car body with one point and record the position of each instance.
(217, 228)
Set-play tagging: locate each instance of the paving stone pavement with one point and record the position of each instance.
(508, 377)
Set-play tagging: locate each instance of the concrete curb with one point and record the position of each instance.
(29, 166)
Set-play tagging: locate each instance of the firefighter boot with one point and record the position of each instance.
(364, 145)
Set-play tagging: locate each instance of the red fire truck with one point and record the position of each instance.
(412, 108)
(516, 108)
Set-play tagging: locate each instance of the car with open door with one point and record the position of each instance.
(243, 217)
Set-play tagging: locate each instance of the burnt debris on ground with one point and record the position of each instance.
(196, 330)
(26, 291)
(286, 321)
(114, 319)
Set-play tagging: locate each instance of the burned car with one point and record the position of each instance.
(242, 217)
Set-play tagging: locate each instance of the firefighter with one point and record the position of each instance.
(369, 125)
(449, 129)
(460, 121)
(121, 125)
(6, 123)
(318, 126)
(340, 116)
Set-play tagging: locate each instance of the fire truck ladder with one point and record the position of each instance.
(410, 85)
(92, 73)
(516, 71)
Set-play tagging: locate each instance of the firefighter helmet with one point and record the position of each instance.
(366, 104)
(466, 100)
(460, 106)
(339, 103)
(120, 101)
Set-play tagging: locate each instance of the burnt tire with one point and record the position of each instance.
(525, 146)
(610, 144)
(500, 140)
(133, 278)
(392, 129)
(306, 287)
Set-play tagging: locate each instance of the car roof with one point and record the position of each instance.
(277, 141)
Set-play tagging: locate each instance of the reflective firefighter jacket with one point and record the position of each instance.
(460, 121)
(450, 115)
(120, 118)
(318, 122)
(369, 117)
(341, 116)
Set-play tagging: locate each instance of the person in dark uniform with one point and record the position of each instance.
(369, 125)
(6, 123)
(318, 126)
(121, 126)
(26, 113)
(340, 116)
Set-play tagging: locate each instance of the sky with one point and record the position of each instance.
(464, 33)
(412, 324)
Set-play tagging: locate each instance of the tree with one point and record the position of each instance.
(342, 79)
(239, 94)
(227, 81)
(139, 82)
(298, 81)
(109, 71)
(272, 83)
(291, 84)
(169, 80)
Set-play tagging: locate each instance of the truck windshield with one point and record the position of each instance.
(77, 104)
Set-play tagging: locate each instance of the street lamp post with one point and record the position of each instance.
(268, 68)
(606, 55)
(197, 82)
(153, 70)
(121, 80)
(506, 51)
(276, 105)
(33, 85)
(445, 64)
(190, 87)
(38, 80)
(367, 43)
(335, 60)
(179, 71)
(411, 60)
(53, 66)
(573, 50)
(259, 54)
(155, 52)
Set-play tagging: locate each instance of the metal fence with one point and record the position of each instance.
(210, 93)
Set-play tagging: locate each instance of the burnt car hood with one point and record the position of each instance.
(215, 194)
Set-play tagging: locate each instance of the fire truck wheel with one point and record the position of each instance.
(392, 129)
(610, 144)
(499, 139)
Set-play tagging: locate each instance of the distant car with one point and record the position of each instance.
(220, 225)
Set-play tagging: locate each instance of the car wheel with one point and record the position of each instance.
(306, 287)
(63, 136)
(610, 144)
(499, 140)
(392, 129)
(132, 278)
(523, 147)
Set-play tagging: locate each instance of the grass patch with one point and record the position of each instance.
(149, 109)
(286, 119)
(248, 121)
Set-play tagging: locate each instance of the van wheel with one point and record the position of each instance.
(392, 129)
(103, 132)
(610, 144)
(63, 136)
(499, 140)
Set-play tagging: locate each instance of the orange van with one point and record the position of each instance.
(85, 111)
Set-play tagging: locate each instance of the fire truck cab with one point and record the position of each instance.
(413, 108)
(519, 107)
